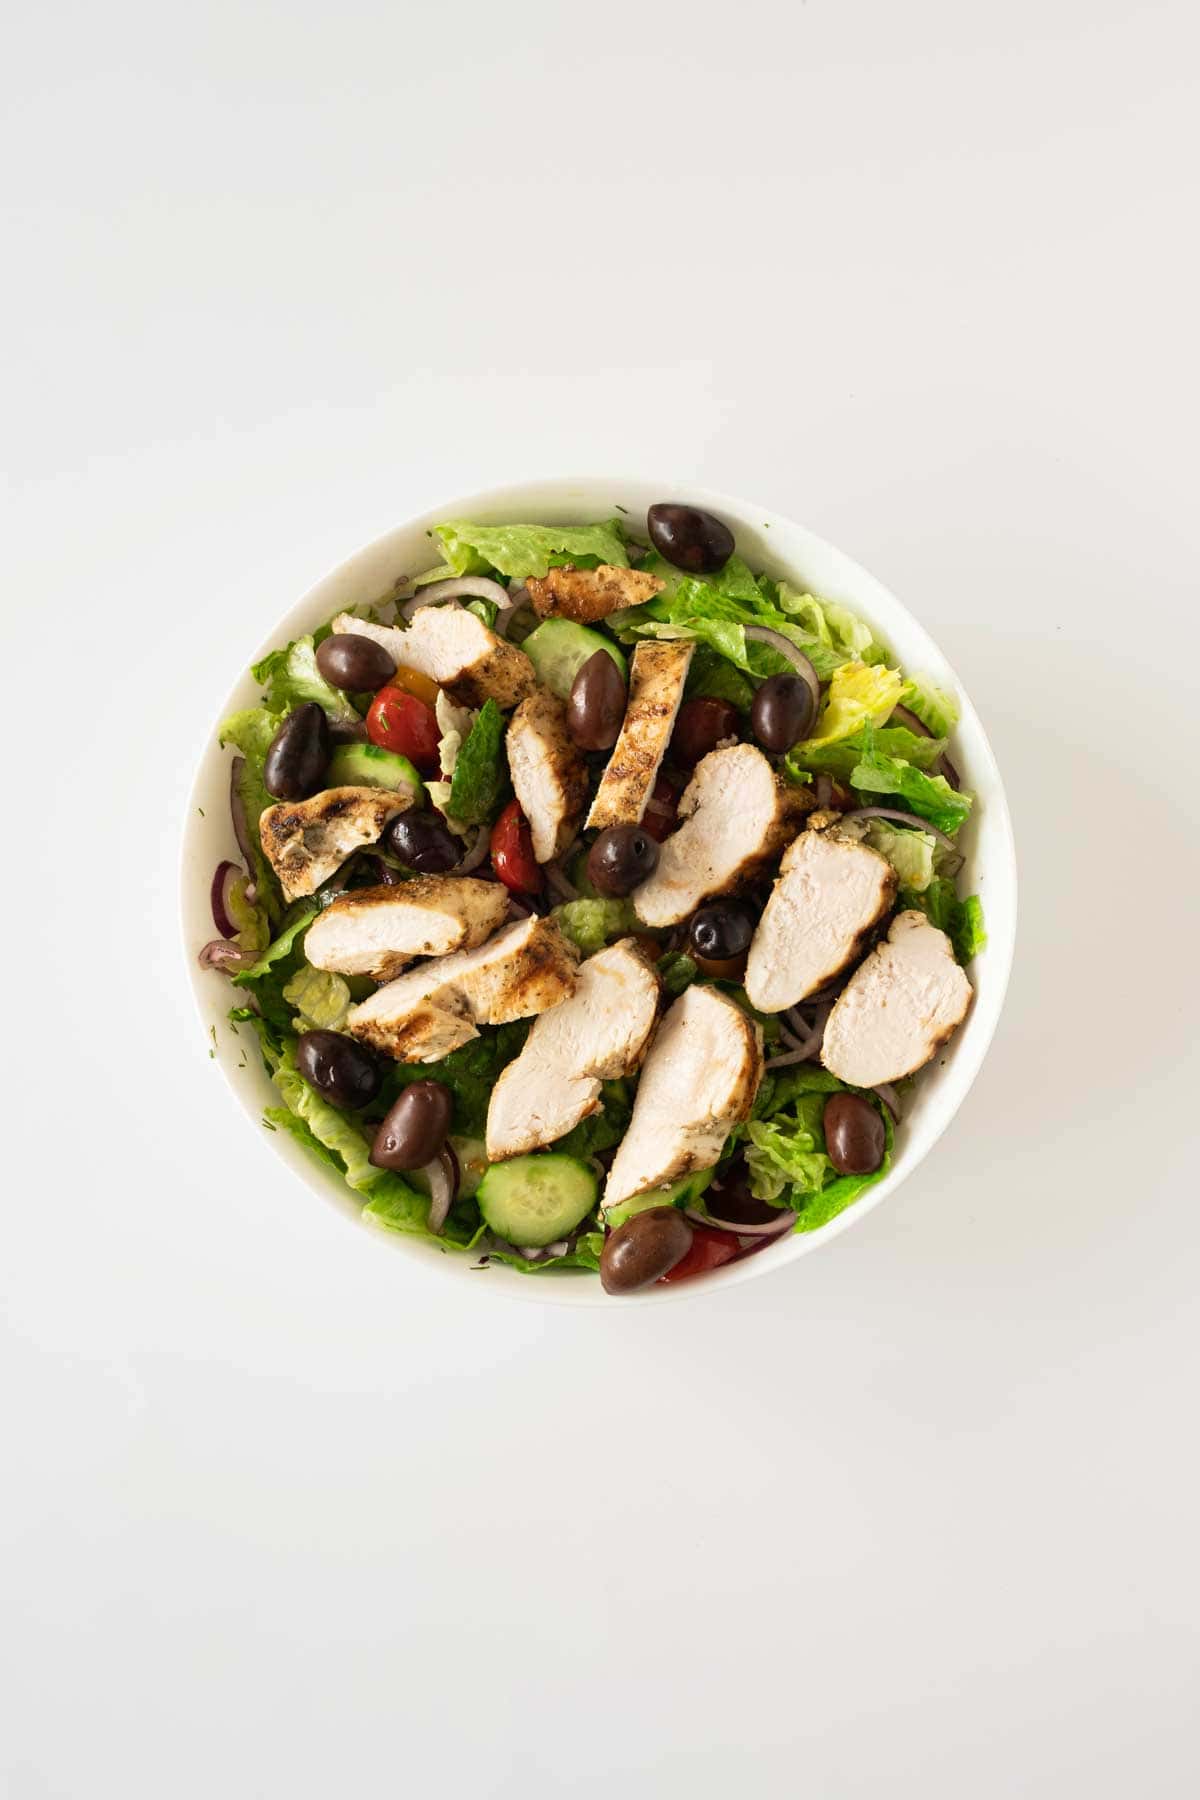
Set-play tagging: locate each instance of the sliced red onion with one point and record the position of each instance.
(222, 884)
(913, 821)
(887, 1094)
(237, 807)
(476, 854)
(808, 1036)
(557, 882)
(823, 790)
(462, 587)
(442, 1175)
(769, 1229)
(221, 954)
(945, 767)
(762, 634)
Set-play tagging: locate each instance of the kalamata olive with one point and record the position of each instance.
(339, 1069)
(721, 931)
(415, 1127)
(621, 859)
(298, 758)
(782, 712)
(354, 662)
(730, 1199)
(691, 539)
(642, 1249)
(700, 727)
(855, 1138)
(420, 840)
(596, 708)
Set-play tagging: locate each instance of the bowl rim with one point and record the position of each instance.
(971, 1044)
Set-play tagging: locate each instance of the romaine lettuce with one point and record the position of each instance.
(479, 768)
(839, 758)
(840, 632)
(321, 999)
(251, 732)
(911, 853)
(929, 796)
(590, 924)
(291, 677)
(935, 706)
(858, 695)
(519, 551)
(961, 920)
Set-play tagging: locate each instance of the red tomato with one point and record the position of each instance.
(659, 819)
(512, 852)
(399, 721)
(709, 1250)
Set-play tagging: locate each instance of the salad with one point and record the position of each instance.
(598, 898)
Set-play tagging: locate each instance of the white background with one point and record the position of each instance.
(282, 1515)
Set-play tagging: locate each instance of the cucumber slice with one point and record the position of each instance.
(534, 1200)
(367, 765)
(684, 1192)
(558, 650)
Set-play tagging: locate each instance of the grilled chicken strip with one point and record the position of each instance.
(656, 677)
(549, 775)
(900, 1007)
(831, 892)
(454, 648)
(377, 931)
(307, 841)
(599, 1034)
(590, 594)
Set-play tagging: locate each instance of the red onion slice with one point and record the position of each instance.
(823, 791)
(887, 1094)
(557, 882)
(762, 634)
(442, 1176)
(769, 1229)
(462, 587)
(914, 823)
(222, 883)
(221, 954)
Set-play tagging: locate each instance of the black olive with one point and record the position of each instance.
(298, 759)
(420, 840)
(721, 931)
(729, 1198)
(356, 663)
(691, 539)
(596, 708)
(855, 1136)
(415, 1128)
(339, 1069)
(644, 1249)
(782, 712)
(702, 724)
(621, 859)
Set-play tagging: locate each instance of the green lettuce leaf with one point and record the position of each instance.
(590, 924)
(479, 768)
(519, 551)
(935, 706)
(321, 999)
(961, 920)
(280, 1119)
(712, 677)
(929, 796)
(470, 1073)
(787, 1156)
(858, 695)
(783, 1155)
(586, 1255)
(251, 733)
(280, 947)
(291, 677)
(701, 610)
(678, 971)
(911, 853)
(840, 757)
(839, 632)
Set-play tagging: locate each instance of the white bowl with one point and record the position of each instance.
(766, 541)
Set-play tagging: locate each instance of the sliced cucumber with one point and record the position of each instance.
(534, 1200)
(558, 650)
(367, 765)
(684, 1192)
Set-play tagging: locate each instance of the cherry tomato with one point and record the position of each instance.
(399, 721)
(512, 852)
(659, 819)
(413, 682)
(709, 1250)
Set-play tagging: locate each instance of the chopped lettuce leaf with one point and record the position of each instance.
(839, 758)
(251, 733)
(479, 768)
(585, 1255)
(470, 1073)
(911, 853)
(858, 695)
(782, 1155)
(935, 706)
(277, 949)
(454, 722)
(786, 1156)
(698, 609)
(929, 796)
(523, 550)
(291, 677)
(590, 924)
(961, 920)
(321, 999)
(338, 1131)
(834, 627)
(283, 1120)
(712, 677)
(678, 971)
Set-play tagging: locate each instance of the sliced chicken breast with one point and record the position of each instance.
(454, 648)
(900, 1007)
(549, 775)
(699, 1081)
(420, 1017)
(378, 931)
(830, 893)
(307, 841)
(590, 594)
(737, 814)
(599, 1034)
(656, 677)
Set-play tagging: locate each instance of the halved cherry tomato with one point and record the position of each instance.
(399, 721)
(413, 682)
(659, 819)
(709, 1250)
(512, 852)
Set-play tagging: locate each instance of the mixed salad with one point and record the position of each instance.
(598, 898)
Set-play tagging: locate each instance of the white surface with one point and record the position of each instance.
(785, 550)
(915, 1517)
